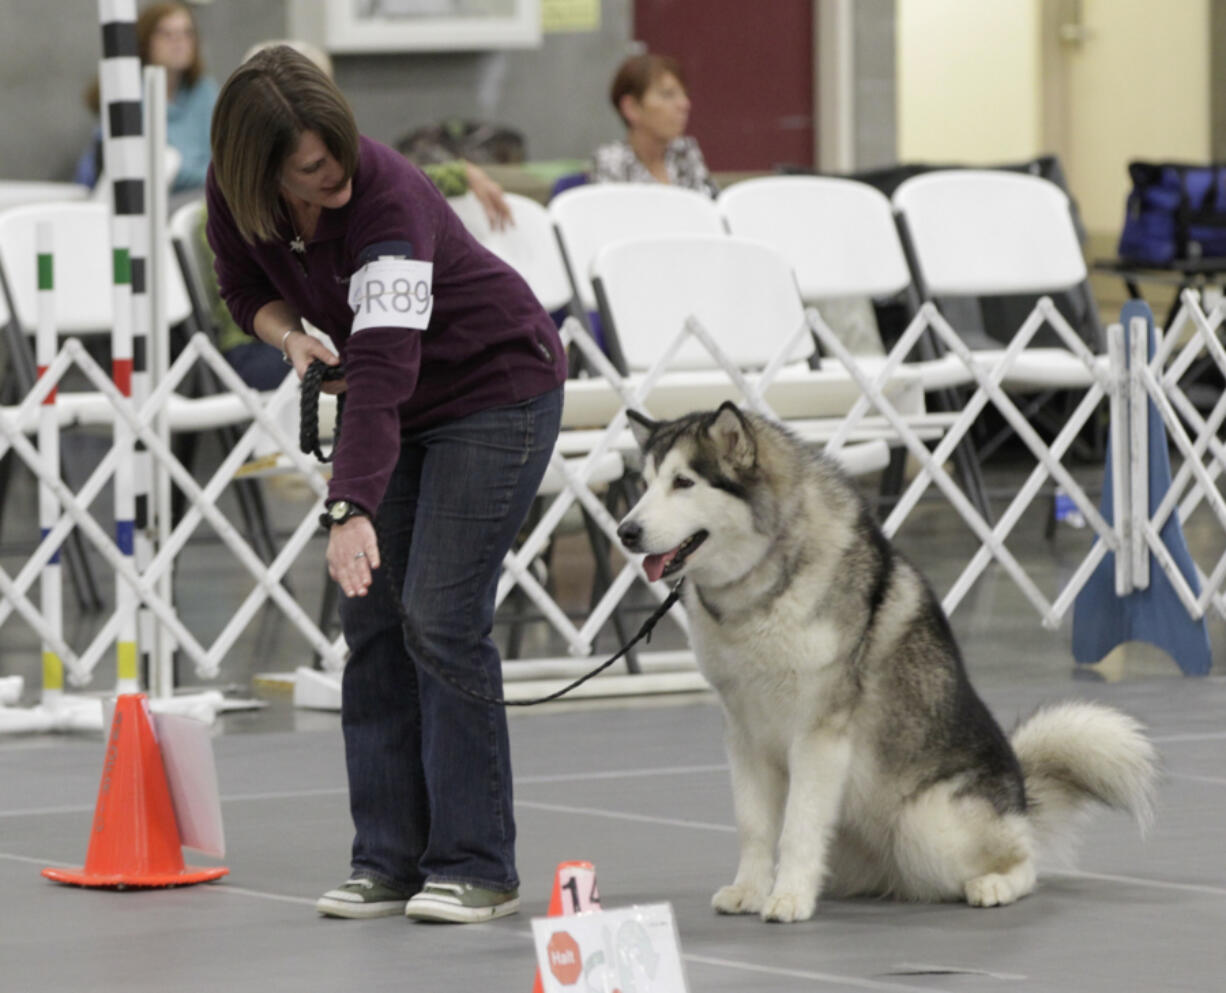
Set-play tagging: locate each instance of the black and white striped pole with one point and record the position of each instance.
(125, 166)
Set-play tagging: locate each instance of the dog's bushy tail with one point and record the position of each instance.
(1076, 754)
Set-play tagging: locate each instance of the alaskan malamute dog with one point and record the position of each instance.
(862, 760)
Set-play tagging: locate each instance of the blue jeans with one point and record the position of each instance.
(430, 769)
(260, 366)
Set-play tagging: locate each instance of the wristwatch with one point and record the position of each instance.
(338, 512)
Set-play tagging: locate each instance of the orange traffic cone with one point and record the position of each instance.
(135, 837)
(578, 880)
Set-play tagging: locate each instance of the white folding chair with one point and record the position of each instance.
(842, 241)
(82, 253)
(744, 296)
(840, 238)
(528, 245)
(741, 291)
(984, 233)
(81, 240)
(184, 225)
(987, 233)
(14, 192)
(82, 250)
(838, 234)
(587, 218)
(83, 274)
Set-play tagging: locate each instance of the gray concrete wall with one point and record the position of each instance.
(554, 95)
(876, 140)
(46, 61)
(1217, 79)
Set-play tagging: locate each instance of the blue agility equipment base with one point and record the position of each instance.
(1102, 620)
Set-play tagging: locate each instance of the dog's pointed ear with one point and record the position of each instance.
(641, 428)
(734, 436)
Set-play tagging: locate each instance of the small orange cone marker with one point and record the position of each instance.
(574, 892)
(134, 840)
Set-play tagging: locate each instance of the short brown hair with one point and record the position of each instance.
(635, 76)
(263, 109)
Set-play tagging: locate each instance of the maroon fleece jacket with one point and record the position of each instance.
(488, 342)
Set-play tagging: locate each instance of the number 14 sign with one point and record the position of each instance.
(628, 950)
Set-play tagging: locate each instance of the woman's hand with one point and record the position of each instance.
(353, 552)
(302, 349)
(490, 195)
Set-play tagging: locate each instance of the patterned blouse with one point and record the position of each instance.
(617, 163)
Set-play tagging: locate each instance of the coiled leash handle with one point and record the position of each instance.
(313, 379)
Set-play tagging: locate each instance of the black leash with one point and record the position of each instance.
(308, 440)
(308, 407)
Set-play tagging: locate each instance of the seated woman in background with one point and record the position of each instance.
(166, 36)
(648, 93)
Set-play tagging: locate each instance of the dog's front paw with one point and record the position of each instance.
(992, 890)
(789, 906)
(739, 898)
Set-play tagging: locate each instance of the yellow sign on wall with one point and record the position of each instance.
(570, 15)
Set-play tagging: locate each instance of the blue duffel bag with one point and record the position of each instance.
(1175, 213)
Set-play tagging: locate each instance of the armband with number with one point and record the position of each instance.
(392, 292)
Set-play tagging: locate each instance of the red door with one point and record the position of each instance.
(749, 68)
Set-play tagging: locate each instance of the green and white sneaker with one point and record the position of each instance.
(461, 903)
(362, 897)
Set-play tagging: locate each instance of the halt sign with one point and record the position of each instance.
(565, 959)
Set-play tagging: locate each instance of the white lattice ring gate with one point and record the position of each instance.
(1133, 537)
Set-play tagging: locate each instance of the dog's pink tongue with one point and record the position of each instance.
(654, 565)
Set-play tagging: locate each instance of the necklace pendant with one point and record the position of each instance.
(298, 245)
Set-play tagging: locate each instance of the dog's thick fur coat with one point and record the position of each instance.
(863, 762)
